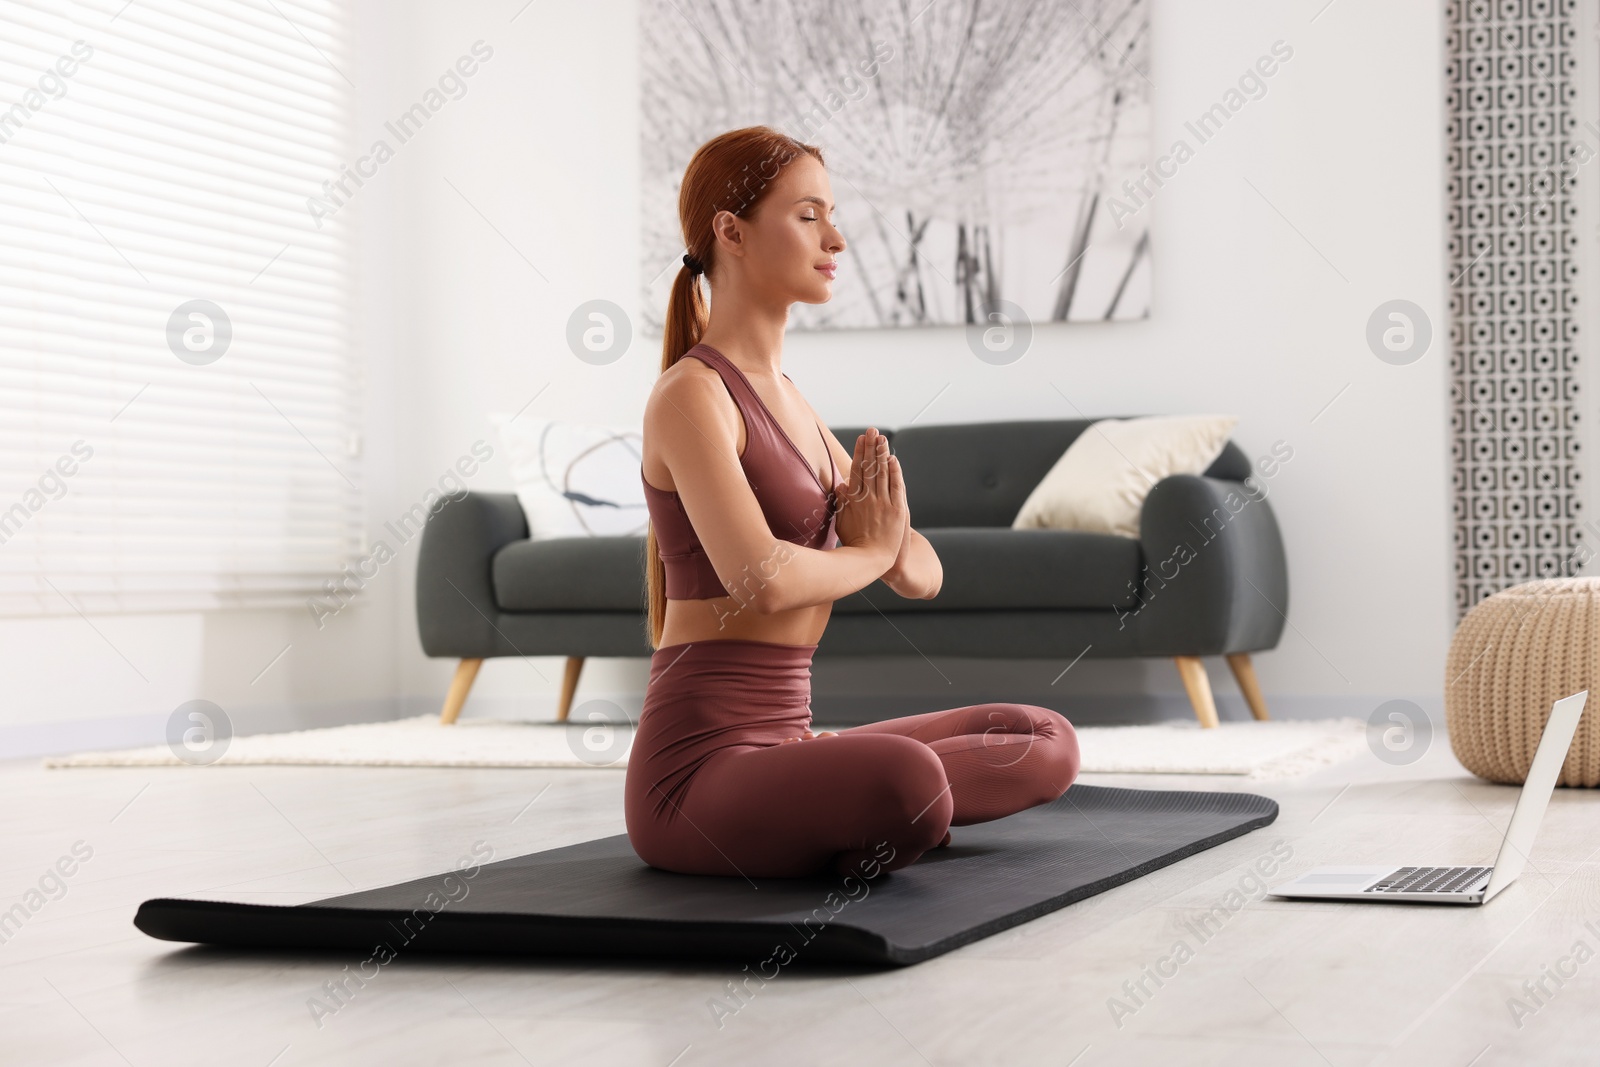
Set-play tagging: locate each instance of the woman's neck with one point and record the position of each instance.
(750, 337)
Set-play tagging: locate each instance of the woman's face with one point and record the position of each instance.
(792, 242)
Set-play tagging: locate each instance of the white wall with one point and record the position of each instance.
(1271, 246)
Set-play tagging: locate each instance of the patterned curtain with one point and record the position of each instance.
(1514, 146)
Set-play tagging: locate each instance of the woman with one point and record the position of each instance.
(760, 520)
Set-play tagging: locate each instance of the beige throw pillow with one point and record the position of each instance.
(1100, 481)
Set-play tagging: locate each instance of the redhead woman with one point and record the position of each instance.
(760, 520)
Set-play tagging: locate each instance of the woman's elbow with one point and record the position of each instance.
(777, 595)
(759, 589)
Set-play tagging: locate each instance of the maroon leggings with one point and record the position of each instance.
(719, 781)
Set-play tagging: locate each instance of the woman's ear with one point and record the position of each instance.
(725, 226)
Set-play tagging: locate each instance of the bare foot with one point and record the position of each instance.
(808, 736)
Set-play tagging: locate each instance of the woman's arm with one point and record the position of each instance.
(694, 429)
(916, 573)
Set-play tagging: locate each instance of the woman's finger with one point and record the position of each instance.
(864, 468)
(869, 457)
(852, 485)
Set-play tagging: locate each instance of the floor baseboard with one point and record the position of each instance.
(28, 740)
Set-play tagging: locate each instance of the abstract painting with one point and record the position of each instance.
(976, 148)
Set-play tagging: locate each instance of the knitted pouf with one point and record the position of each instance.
(1515, 654)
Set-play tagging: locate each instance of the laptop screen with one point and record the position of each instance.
(1536, 790)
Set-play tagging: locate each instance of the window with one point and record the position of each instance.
(179, 425)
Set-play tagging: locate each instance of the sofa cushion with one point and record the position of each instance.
(1100, 482)
(570, 574)
(979, 473)
(985, 568)
(988, 568)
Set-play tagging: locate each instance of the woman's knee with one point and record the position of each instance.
(1052, 748)
(1061, 743)
(909, 790)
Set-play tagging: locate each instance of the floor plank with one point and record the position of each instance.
(1273, 982)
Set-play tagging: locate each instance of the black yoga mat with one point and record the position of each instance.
(597, 898)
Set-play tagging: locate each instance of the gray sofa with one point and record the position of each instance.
(1207, 575)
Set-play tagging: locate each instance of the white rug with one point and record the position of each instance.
(1253, 750)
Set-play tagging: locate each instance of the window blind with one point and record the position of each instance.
(179, 423)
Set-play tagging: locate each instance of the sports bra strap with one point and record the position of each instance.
(746, 398)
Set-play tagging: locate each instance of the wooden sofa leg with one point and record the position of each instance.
(1198, 687)
(460, 686)
(1245, 674)
(569, 686)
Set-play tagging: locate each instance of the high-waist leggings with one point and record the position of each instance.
(722, 778)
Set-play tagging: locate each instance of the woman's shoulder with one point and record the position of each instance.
(693, 387)
(689, 376)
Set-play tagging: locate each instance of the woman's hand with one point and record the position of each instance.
(873, 512)
(893, 573)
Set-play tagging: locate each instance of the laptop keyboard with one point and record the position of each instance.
(1430, 880)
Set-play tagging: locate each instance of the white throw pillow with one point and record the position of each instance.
(575, 479)
(1100, 481)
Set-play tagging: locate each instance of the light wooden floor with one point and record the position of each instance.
(1279, 984)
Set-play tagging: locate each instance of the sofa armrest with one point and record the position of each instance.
(1215, 579)
(456, 609)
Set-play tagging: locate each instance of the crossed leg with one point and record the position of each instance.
(998, 758)
(879, 795)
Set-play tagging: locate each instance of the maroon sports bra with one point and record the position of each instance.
(797, 506)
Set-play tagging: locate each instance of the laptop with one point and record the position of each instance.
(1458, 885)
